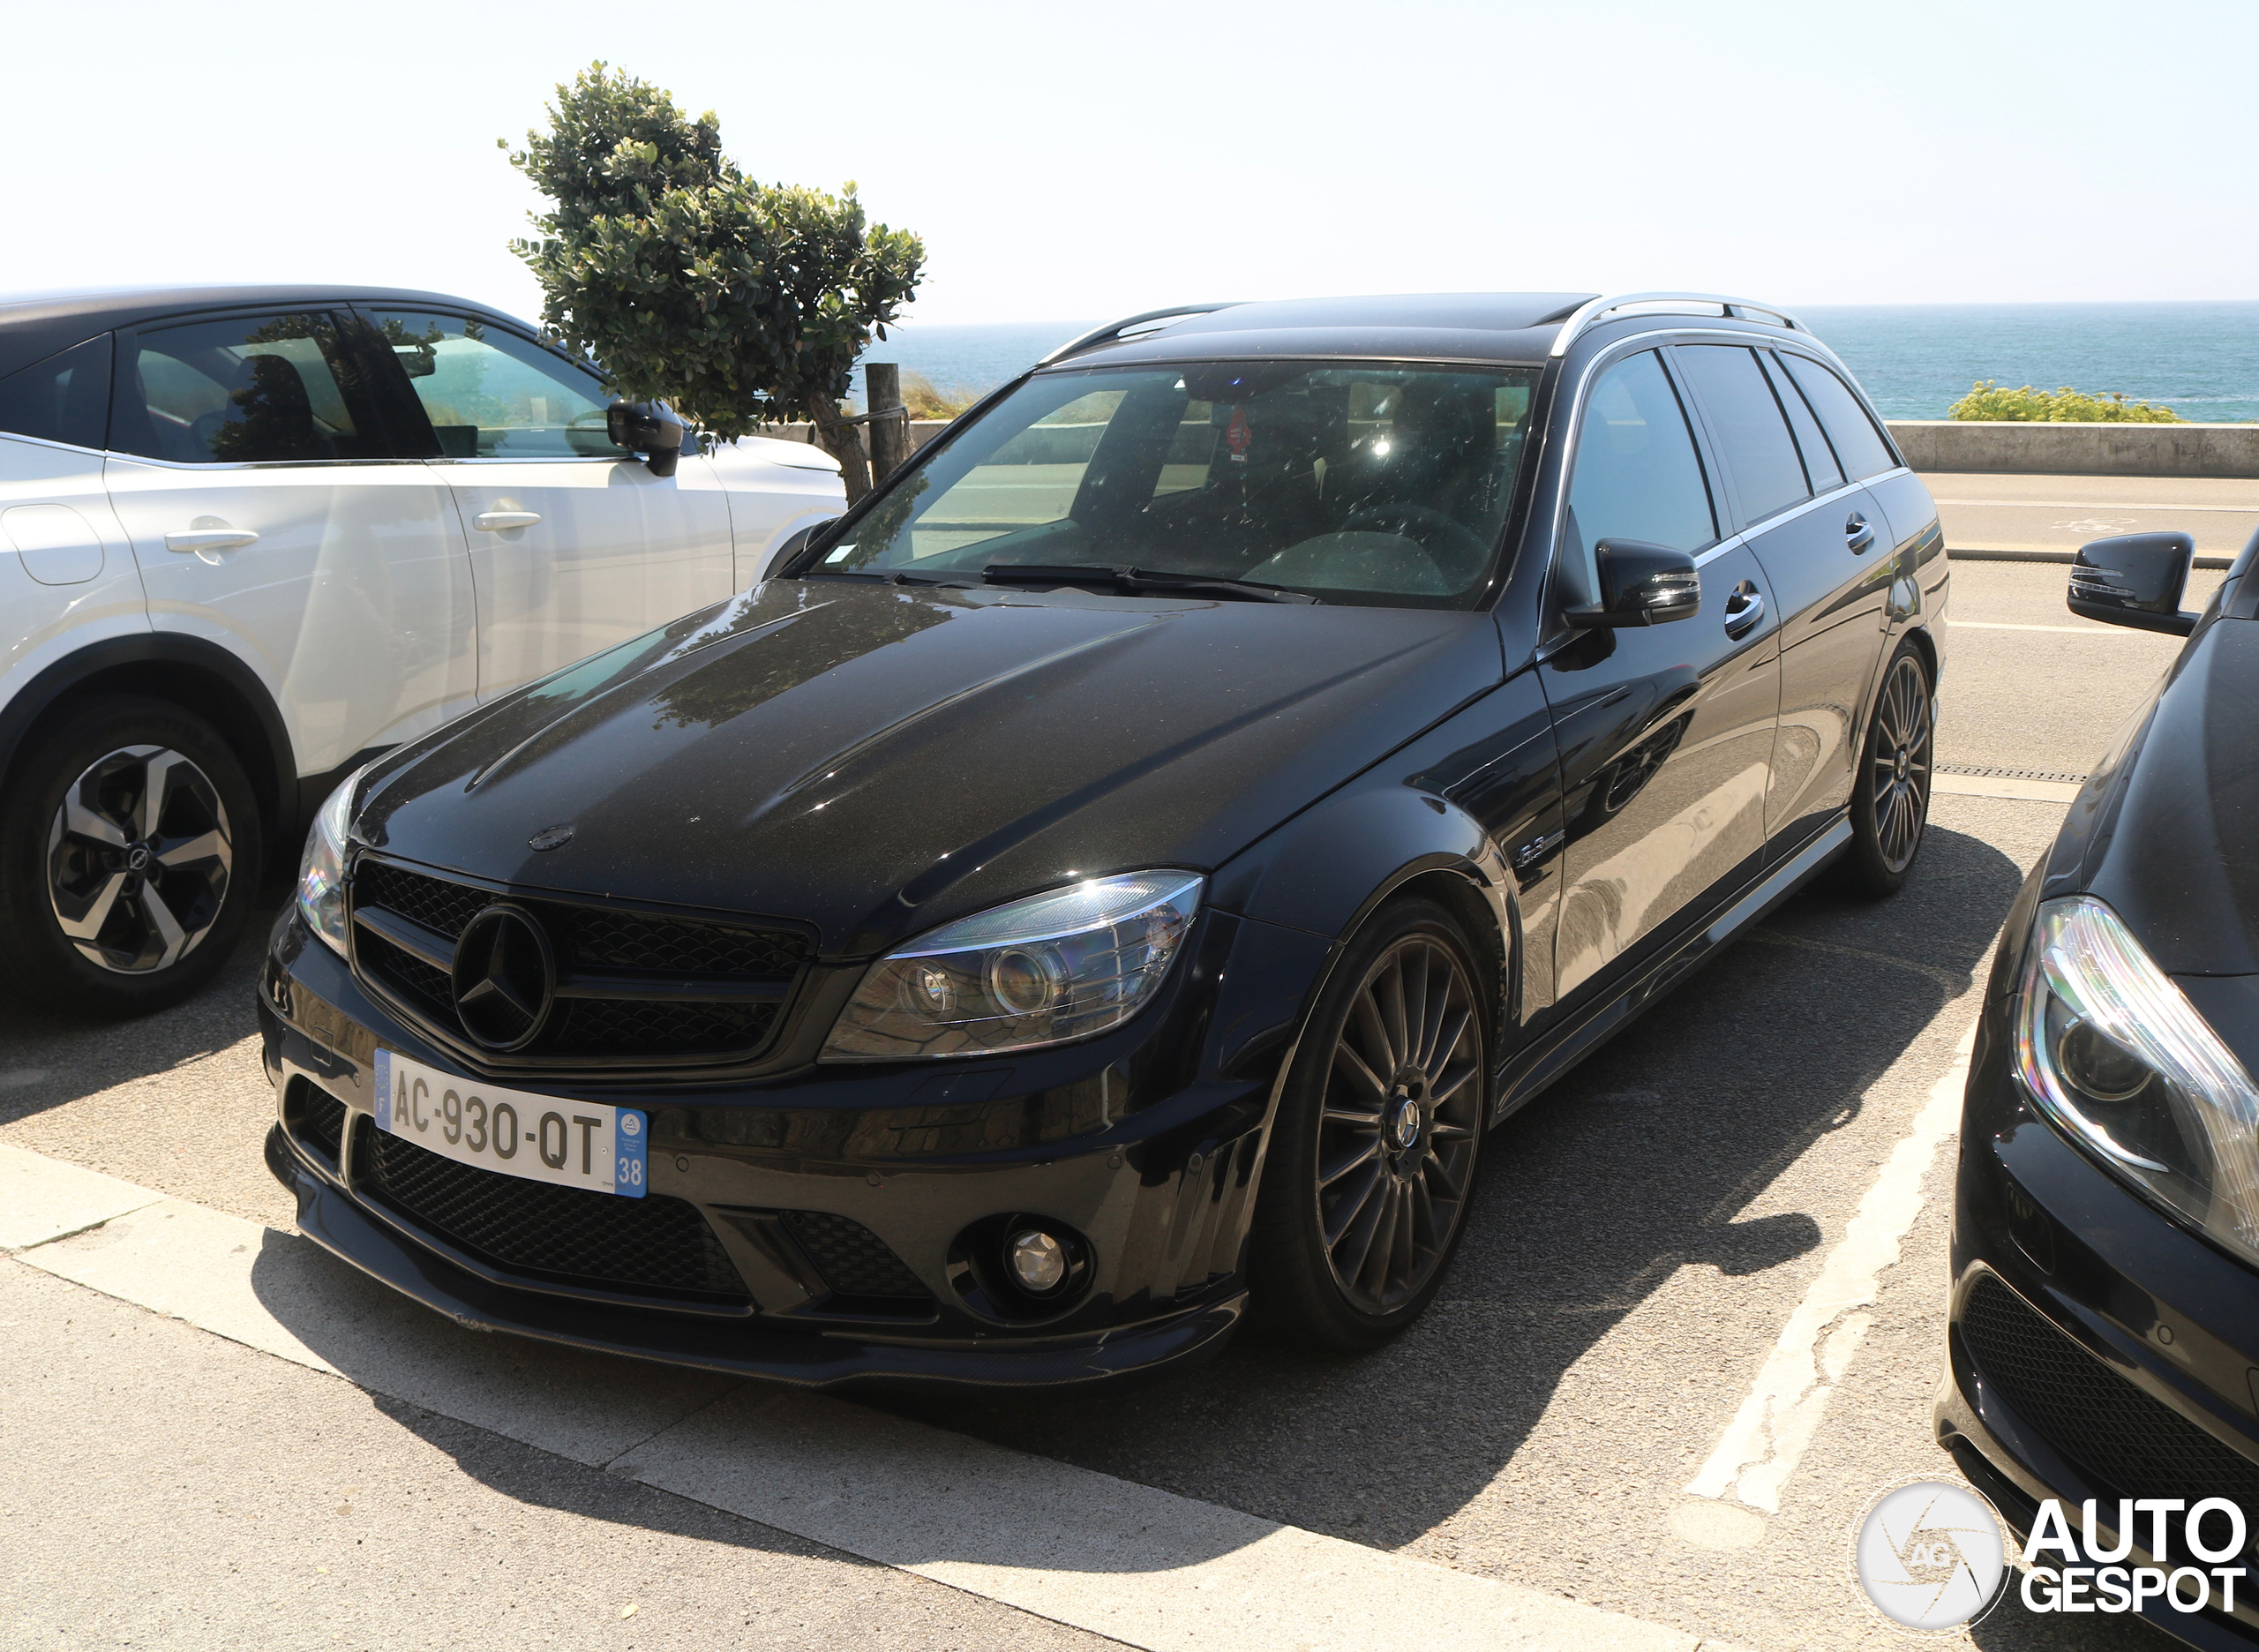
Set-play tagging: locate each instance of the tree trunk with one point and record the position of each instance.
(843, 441)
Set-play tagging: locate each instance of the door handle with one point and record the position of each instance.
(1743, 609)
(1857, 535)
(495, 520)
(202, 539)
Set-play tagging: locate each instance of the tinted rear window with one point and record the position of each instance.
(1856, 441)
(62, 399)
(1747, 422)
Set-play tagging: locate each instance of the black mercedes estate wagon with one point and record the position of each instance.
(1109, 880)
(2103, 1339)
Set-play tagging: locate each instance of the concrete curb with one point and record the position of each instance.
(1141, 1565)
(1955, 553)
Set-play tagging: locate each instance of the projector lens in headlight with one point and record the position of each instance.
(1046, 969)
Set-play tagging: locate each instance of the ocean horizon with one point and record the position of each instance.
(2200, 358)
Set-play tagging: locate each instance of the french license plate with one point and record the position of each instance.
(542, 1138)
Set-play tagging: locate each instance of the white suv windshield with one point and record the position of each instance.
(1385, 484)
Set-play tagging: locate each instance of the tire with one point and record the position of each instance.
(1370, 1173)
(1890, 791)
(108, 909)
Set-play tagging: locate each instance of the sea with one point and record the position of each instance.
(2200, 359)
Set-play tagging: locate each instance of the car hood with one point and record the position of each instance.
(876, 759)
(2167, 831)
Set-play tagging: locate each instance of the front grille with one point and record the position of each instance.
(2129, 1443)
(760, 966)
(651, 1244)
(315, 1118)
(854, 1260)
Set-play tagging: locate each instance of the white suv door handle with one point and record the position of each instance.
(495, 520)
(202, 539)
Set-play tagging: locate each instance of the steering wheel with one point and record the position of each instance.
(1458, 553)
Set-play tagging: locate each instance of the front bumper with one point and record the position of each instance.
(2095, 1349)
(1130, 1140)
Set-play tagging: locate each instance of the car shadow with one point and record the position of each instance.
(1639, 1165)
(50, 1058)
(1636, 1166)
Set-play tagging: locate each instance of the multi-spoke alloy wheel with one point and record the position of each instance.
(1372, 1157)
(131, 847)
(1899, 770)
(1890, 798)
(138, 857)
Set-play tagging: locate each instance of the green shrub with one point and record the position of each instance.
(929, 401)
(1987, 400)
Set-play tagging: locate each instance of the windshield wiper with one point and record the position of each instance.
(1131, 580)
(891, 576)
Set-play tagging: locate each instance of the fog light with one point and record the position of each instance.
(1039, 1261)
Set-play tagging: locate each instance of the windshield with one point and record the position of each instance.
(1384, 484)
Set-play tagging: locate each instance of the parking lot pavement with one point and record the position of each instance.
(1645, 1257)
(2059, 514)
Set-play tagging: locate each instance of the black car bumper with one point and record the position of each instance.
(2097, 1349)
(823, 1230)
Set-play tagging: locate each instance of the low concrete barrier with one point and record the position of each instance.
(2003, 448)
(2066, 449)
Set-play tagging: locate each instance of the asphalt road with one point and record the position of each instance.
(2034, 513)
(1644, 1236)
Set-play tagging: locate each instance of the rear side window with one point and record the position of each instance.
(1637, 475)
(1819, 462)
(1856, 441)
(1748, 426)
(255, 389)
(62, 399)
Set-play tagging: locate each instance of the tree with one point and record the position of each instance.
(741, 304)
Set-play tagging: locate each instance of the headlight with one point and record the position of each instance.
(2113, 1050)
(1043, 971)
(321, 869)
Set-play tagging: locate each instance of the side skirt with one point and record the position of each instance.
(1531, 1070)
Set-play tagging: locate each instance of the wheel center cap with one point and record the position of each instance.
(1404, 1124)
(137, 859)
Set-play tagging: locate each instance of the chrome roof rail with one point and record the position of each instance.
(1591, 314)
(1114, 330)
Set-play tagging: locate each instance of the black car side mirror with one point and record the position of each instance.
(650, 428)
(2134, 579)
(1642, 584)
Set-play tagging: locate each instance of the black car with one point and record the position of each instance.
(1114, 875)
(2104, 1324)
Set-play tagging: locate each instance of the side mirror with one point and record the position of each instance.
(650, 428)
(2134, 579)
(1642, 584)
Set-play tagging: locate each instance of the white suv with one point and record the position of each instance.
(252, 537)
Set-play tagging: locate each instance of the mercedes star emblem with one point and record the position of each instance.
(504, 978)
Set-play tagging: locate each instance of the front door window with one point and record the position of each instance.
(490, 394)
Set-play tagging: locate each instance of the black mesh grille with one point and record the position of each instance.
(435, 903)
(315, 1118)
(653, 1243)
(619, 944)
(599, 1025)
(597, 938)
(2130, 1444)
(854, 1260)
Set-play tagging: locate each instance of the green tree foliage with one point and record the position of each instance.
(1987, 400)
(741, 304)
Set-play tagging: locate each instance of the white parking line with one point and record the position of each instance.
(1781, 1412)
(1994, 787)
(1144, 1566)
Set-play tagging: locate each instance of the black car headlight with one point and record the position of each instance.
(1046, 969)
(321, 868)
(2113, 1050)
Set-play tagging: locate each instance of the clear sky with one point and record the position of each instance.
(1067, 161)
